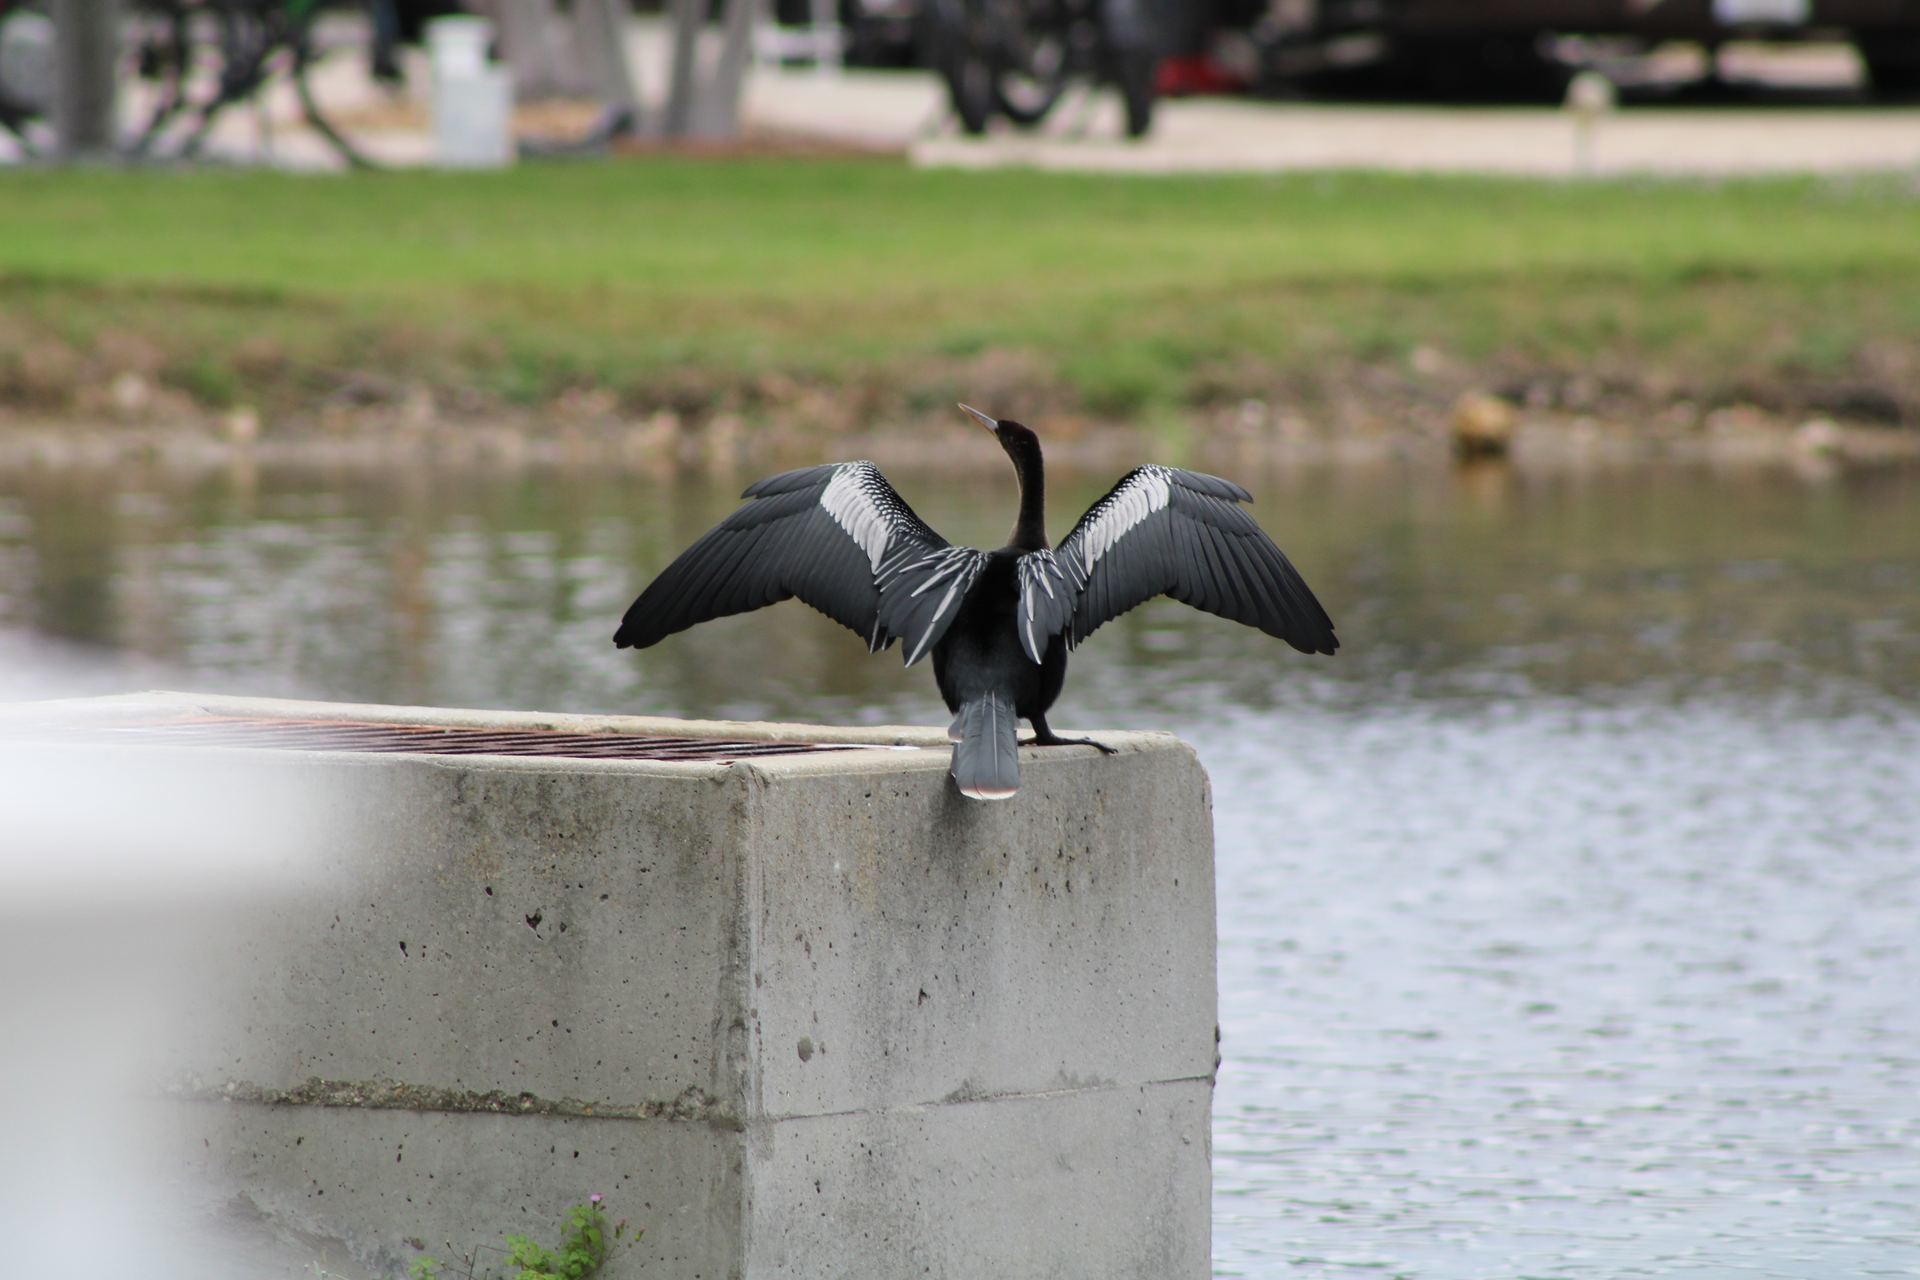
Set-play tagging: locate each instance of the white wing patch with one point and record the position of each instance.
(859, 506)
(1148, 492)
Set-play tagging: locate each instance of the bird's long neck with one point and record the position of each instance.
(1030, 527)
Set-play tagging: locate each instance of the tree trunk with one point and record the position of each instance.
(86, 51)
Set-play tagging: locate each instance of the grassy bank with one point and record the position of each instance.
(866, 286)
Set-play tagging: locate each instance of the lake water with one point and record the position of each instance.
(1569, 918)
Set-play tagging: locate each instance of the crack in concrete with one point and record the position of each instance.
(968, 1095)
(693, 1104)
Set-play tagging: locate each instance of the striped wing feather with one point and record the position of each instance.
(1163, 531)
(1050, 587)
(839, 538)
(920, 594)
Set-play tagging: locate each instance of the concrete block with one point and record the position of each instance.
(799, 1015)
(1090, 1182)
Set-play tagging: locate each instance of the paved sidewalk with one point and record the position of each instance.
(906, 111)
(1226, 136)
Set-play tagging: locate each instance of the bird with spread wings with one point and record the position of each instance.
(999, 624)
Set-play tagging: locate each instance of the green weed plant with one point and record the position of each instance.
(586, 1240)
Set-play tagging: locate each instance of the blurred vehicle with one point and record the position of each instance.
(877, 33)
(1007, 57)
(1015, 57)
(1487, 49)
(1500, 47)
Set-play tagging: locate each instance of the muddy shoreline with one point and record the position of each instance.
(1476, 427)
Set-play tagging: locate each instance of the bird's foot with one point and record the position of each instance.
(1055, 740)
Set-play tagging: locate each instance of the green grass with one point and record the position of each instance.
(675, 281)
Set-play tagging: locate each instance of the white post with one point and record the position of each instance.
(472, 104)
(1590, 96)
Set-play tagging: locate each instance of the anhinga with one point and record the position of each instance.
(998, 623)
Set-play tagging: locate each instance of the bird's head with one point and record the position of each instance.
(1019, 442)
(1023, 449)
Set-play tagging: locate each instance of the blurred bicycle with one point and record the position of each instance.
(198, 59)
(1015, 58)
(206, 56)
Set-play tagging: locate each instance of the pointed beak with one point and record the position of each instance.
(980, 417)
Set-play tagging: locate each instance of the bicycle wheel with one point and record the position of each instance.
(163, 43)
(1131, 46)
(958, 53)
(1135, 73)
(244, 42)
(1035, 58)
(302, 41)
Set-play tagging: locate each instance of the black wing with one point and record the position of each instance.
(1163, 531)
(838, 537)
